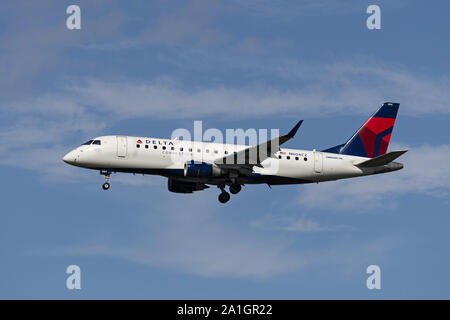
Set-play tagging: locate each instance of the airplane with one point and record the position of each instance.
(194, 165)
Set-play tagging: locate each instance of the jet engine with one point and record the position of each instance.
(201, 169)
(180, 186)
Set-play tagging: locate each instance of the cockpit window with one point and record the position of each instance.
(97, 142)
(87, 143)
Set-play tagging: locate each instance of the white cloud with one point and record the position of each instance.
(289, 223)
(199, 242)
(285, 10)
(425, 172)
(314, 90)
(37, 134)
(304, 225)
(190, 235)
(35, 42)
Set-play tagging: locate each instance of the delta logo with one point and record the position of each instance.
(160, 142)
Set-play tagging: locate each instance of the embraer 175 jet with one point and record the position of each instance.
(193, 165)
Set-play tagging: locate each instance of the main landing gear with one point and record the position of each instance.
(235, 188)
(107, 174)
(224, 196)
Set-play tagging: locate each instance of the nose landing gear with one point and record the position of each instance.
(107, 174)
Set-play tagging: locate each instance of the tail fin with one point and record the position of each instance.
(372, 139)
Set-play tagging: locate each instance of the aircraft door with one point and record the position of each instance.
(318, 162)
(121, 146)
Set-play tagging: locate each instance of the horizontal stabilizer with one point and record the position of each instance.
(381, 160)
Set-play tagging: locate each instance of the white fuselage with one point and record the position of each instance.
(168, 157)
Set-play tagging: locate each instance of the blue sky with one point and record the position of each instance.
(150, 67)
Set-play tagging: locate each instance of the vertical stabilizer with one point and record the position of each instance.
(372, 139)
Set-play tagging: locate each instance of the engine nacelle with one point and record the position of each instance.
(180, 186)
(201, 169)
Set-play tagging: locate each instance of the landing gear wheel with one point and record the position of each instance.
(235, 188)
(224, 197)
(107, 174)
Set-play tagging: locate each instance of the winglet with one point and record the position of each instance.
(292, 133)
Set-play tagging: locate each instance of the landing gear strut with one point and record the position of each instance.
(223, 196)
(107, 174)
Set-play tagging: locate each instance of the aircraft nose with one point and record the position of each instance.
(70, 157)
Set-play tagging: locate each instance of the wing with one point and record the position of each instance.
(244, 160)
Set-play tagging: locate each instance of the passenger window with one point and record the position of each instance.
(279, 157)
(164, 148)
(296, 158)
(172, 148)
(155, 147)
(207, 150)
(215, 151)
(138, 146)
(190, 149)
(305, 158)
(198, 150)
(146, 146)
(226, 152)
(288, 157)
(181, 149)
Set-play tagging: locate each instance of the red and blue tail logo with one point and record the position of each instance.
(372, 139)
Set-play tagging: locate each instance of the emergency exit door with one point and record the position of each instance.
(318, 162)
(121, 146)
